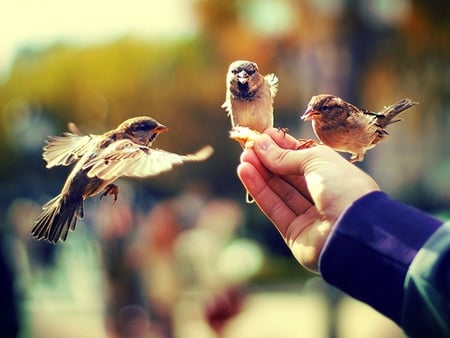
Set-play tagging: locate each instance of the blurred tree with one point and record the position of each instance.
(370, 52)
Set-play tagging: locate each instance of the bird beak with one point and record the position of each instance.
(242, 77)
(310, 114)
(160, 129)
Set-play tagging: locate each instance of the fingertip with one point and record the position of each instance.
(242, 168)
(247, 155)
(246, 171)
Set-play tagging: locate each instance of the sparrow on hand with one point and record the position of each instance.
(344, 127)
(99, 160)
(249, 97)
(249, 102)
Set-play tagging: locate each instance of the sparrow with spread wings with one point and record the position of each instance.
(344, 127)
(99, 160)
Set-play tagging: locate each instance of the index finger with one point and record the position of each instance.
(267, 199)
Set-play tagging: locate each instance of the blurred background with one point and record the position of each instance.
(182, 255)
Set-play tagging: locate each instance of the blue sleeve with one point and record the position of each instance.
(370, 249)
(426, 309)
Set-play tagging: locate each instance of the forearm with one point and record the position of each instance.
(426, 304)
(371, 248)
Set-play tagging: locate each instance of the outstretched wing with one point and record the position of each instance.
(64, 150)
(126, 158)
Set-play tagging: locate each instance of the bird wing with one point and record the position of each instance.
(227, 105)
(126, 158)
(64, 150)
(273, 81)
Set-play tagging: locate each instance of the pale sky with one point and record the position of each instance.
(39, 23)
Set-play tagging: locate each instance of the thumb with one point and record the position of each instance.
(279, 160)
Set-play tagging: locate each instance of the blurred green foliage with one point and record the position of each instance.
(369, 54)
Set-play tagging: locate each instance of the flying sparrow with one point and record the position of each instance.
(249, 96)
(99, 160)
(344, 127)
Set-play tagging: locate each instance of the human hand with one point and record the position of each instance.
(303, 192)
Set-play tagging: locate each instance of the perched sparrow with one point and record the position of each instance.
(249, 96)
(249, 101)
(344, 127)
(99, 161)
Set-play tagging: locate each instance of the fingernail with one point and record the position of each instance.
(264, 144)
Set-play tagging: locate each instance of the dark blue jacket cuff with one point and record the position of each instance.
(371, 247)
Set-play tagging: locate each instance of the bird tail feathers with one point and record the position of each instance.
(390, 112)
(56, 219)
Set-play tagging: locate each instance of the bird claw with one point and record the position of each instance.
(356, 158)
(111, 189)
(284, 130)
(307, 143)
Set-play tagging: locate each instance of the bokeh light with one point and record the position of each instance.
(182, 255)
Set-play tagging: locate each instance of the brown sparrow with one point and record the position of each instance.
(344, 127)
(249, 101)
(99, 161)
(249, 96)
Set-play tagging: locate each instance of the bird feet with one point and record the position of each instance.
(307, 143)
(111, 189)
(284, 130)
